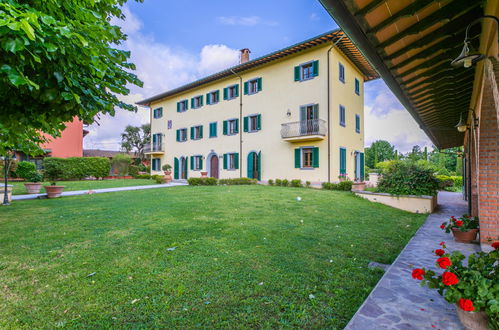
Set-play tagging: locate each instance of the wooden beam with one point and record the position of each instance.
(411, 9)
(444, 94)
(445, 75)
(429, 63)
(370, 7)
(440, 86)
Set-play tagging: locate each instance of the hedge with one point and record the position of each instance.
(408, 178)
(80, 167)
(238, 181)
(342, 186)
(446, 181)
(202, 181)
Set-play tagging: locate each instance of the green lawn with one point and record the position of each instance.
(19, 188)
(245, 256)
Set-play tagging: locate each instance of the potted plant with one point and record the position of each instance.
(35, 183)
(343, 177)
(464, 229)
(167, 168)
(473, 287)
(53, 171)
(358, 184)
(204, 174)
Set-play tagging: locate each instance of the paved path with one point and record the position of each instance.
(100, 191)
(398, 301)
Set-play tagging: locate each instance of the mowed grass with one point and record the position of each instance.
(244, 257)
(19, 189)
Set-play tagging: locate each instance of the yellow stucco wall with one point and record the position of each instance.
(279, 94)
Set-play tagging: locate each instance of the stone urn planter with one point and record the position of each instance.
(9, 193)
(204, 174)
(473, 320)
(54, 191)
(358, 186)
(33, 187)
(464, 236)
(168, 176)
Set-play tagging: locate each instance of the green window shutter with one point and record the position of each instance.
(259, 164)
(316, 111)
(175, 168)
(178, 135)
(217, 96)
(246, 120)
(246, 88)
(178, 106)
(186, 103)
(237, 90)
(259, 84)
(303, 113)
(251, 156)
(192, 103)
(297, 158)
(201, 132)
(225, 161)
(236, 161)
(237, 126)
(225, 127)
(315, 157)
(154, 139)
(259, 122)
(201, 100)
(226, 93)
(192, 133)
(192, 163)
(185, 168)
(297, 73)
(208, 99)
(315, 68)
(362, 165)
(200, 163)
(343, 161)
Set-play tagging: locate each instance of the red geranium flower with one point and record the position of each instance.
(449, 278)
(442, 226)
(495, 245)
(439, 252)
(459, 223)
(444, 262)
(442, 243)
(466, 305)
(418, 273)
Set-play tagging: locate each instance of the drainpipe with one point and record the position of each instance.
(240, 123)
(329, 109)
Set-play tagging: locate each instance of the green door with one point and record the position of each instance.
(251, 161)
(175, 168)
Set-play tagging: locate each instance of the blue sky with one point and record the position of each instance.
(175, 42)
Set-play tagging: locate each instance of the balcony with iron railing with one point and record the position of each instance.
(304, 130)
(155, 148)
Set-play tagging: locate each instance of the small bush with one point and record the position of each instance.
(25, 170)
(143, 176)
(202, 181)
(450, 183)
(296, 183)
(120, 164)
(307, 184)
(35, 177)
(270, 182)
(285, 183)
(133, 170)
(278, 182)
(237, 181)
(53, 169)
(345, 185)
(160, 179)
(156, 176)
(408, 178)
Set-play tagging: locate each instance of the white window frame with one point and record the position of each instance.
(212, 95)
(231, 92)
(253, 86)
(197, 102)
(183, 105)
(184, 132)
(231, 161)
(158, 160)
(341, 69)
(307, 67)
(302, 156)
(197, 132)
(250, 120)
(232, 123)
(197, 162)
(343, 116)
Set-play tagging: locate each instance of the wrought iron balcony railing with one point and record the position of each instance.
(303, 128)
(155, 147)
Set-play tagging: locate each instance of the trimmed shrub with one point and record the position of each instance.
(133, 170)
(278, 182)
(285, 183)
(120, 164)
(156, 176)
(143, 176)
(53, 169)
(77, 168)
(237, 181)
(25, 170)
(345, 185)
(451, 183)
(296, 183)
(35, 177)
(202, 181)
(408, 178)
(160, 179)
(270, 182)
(307, 184)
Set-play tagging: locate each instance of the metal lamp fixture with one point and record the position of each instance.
(470, 56)
(462, 126)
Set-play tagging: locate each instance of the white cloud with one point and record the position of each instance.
(244, 21)
(314, 17)
(161, 68)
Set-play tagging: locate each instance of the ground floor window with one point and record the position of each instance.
(231, 161)
(196, 163)
(307, 157)
(156, 164)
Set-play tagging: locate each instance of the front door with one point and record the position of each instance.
(183, 168)
(308, 119)
(254, 165)
(214, 166)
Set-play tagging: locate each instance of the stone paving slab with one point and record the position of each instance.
(398, 301)
(100, 191)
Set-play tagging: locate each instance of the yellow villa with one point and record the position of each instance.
(297, 113)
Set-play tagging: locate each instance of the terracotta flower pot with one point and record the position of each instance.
(359, 186)
(464, 236)
(33, 188)
(54, 191)
(473, 320)
(168, 176)
(204, 174)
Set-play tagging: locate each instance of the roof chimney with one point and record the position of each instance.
(245, 55)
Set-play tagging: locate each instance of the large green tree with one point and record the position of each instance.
(60, 59)
(379, 151)
(135, 138)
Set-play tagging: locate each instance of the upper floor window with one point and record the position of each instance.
(231, 92)
(213, 97)
(357, 123)
(182, 106)
(307, 71)
(231, 127)
(357, 86)
(252, 123)
(213, 129)
(341, 72)
(157, 113)
(196, 132)
(253, 86)
(182, 135)
(197, 102)
(196, 163)
(342, 116)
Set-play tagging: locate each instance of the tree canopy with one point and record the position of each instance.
(60, 60)
(135, 138)
(379, 151)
